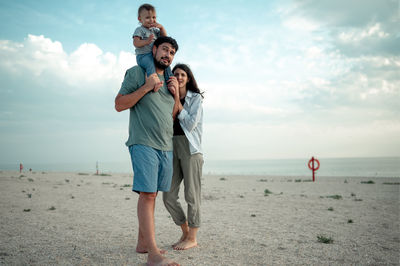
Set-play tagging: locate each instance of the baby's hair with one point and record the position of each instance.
(147, 7)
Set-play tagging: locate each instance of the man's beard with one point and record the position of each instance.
(159, 64)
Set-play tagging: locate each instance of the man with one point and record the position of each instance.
(152, 109)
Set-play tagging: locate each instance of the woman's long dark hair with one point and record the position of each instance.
(192, 84)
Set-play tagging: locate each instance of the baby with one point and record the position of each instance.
(143, 39)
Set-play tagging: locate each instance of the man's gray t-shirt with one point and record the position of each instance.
(150, 119)
(144, 34)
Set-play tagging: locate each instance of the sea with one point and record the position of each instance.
(341, 167)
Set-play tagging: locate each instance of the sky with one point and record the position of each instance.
(282, 79)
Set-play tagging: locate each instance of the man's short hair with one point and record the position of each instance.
(166, 39)
(147, 7)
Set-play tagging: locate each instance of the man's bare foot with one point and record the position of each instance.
(186, 244)
(144, 251)
(158, 260)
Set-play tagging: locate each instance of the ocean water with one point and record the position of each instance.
(362, 167)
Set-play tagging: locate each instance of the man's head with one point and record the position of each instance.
(164, 49)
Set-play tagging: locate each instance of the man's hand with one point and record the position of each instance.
(173, 86)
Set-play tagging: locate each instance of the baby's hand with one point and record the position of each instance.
(150, 39)
(157, 25)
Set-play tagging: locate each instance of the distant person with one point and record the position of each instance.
(150, 139)
(21, 167)
(143, 39)
(188, 158)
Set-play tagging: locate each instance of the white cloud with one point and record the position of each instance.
(276, 96)
(357, 35)
(300, 24)
(285, 76)
(343, 13)
(43, 45)
(59, 103)
(83, 69)
(355, 28)
(314, 52)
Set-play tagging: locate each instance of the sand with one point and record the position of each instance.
(74, 219)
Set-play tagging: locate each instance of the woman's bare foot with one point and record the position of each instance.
(188, 238)
(183, 237)
(185, 232)
(186, 244)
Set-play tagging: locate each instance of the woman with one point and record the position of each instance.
(188, 158)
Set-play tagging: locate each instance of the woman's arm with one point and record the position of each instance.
(191, 117)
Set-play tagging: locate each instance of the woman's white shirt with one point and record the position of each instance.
(191, 121)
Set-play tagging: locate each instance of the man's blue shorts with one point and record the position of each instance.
(152, 168)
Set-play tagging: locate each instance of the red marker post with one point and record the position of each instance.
(313, 167)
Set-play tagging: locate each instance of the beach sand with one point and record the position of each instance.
(75, 219)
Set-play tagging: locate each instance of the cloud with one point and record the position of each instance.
(301, 24)
(286, 88)
(353, 58)
(51, 100)
(342, 13)
(355, 27)
(374, 31)
(42, 58)
(40, 71)
(299, 89)
(283, 75)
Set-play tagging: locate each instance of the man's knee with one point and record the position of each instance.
(148, 196)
